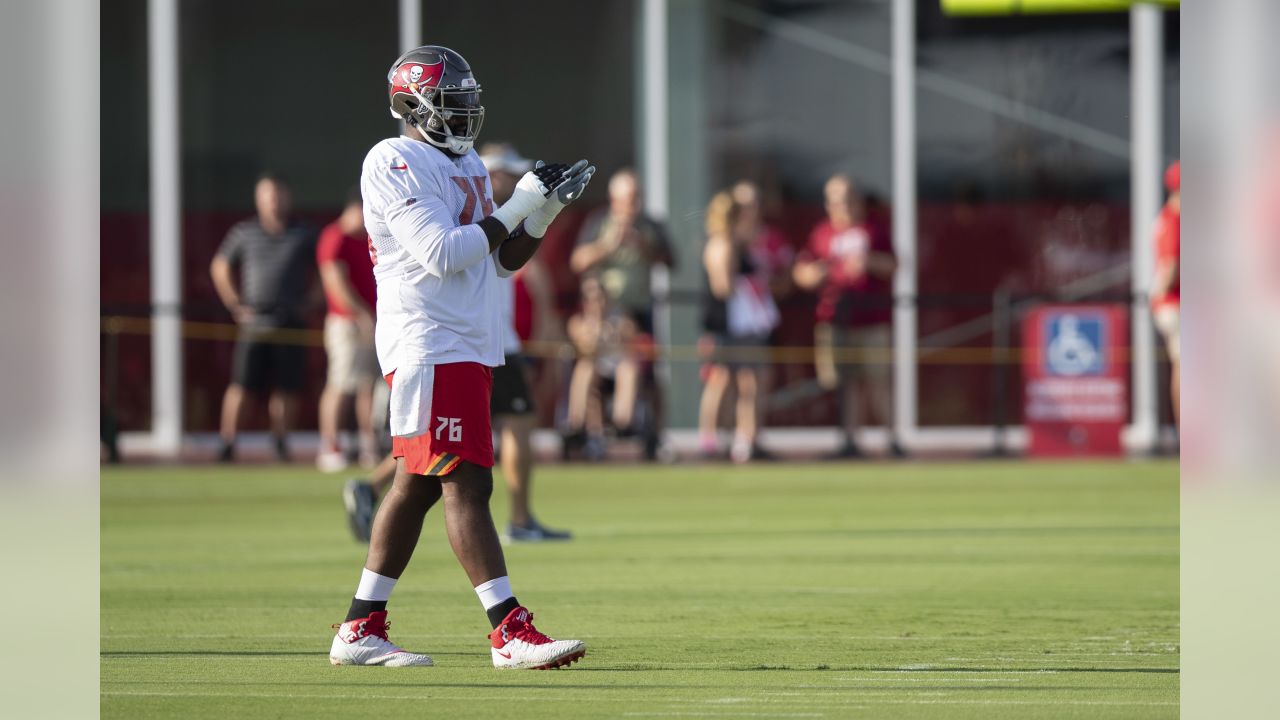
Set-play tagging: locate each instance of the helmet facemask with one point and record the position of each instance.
(433, 90)
(449, 118)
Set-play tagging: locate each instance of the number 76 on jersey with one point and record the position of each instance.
(453, 425)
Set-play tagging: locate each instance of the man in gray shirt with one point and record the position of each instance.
(275, 256)
(621, 245)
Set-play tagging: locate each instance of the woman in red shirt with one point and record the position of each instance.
(1166, 291)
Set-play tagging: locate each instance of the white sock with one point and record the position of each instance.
(374, 586)
(494, 592)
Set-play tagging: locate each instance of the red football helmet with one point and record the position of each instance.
(433, 89)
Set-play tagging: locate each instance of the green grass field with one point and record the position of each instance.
(1010, 590)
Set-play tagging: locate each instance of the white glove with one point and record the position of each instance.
(573, 181)
(529, 195)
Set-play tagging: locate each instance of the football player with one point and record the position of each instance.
(439, 247)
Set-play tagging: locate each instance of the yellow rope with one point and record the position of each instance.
(778, 355)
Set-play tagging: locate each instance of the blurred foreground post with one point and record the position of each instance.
(166, 228)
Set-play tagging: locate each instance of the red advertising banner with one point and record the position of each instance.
(1075, 373)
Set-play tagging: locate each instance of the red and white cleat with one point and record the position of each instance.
(517, 644)
(364, 642)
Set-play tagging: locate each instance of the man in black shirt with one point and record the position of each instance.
(275, 259)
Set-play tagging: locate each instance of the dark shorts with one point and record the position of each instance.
(643, 318)
(511, 389)
(741, 351)
(260, 365)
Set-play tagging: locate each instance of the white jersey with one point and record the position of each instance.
(438, 284)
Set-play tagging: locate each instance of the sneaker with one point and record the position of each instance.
(331, 461)
(364, 642)
(763, 455)
(708, 447)
(359, 499)
(595, 448)
(533, 532)
(896, 451)
(282, 449)
(848, 451)
(227, 452)
(745, 452)
(517, 644)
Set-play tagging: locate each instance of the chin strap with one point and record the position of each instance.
(459, 147)
(452, 144)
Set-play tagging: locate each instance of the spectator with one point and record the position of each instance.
(739, 314)
(621, 246)
(512, 402)
(769, 247)
(850, 263)
(1166, 291)
(274, 255)
(346, 272)
(604, 339)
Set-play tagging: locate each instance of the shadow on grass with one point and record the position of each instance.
(433, 686)
(229, 653)
(677, 668)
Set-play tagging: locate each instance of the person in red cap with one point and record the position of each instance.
(1166, 290)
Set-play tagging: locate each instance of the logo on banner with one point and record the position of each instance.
(1074, 344)
(1075, 391)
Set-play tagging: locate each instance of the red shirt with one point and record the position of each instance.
(353, 252)
(851, 300)
(523, 314)
(1168, 245)
(771, 253)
